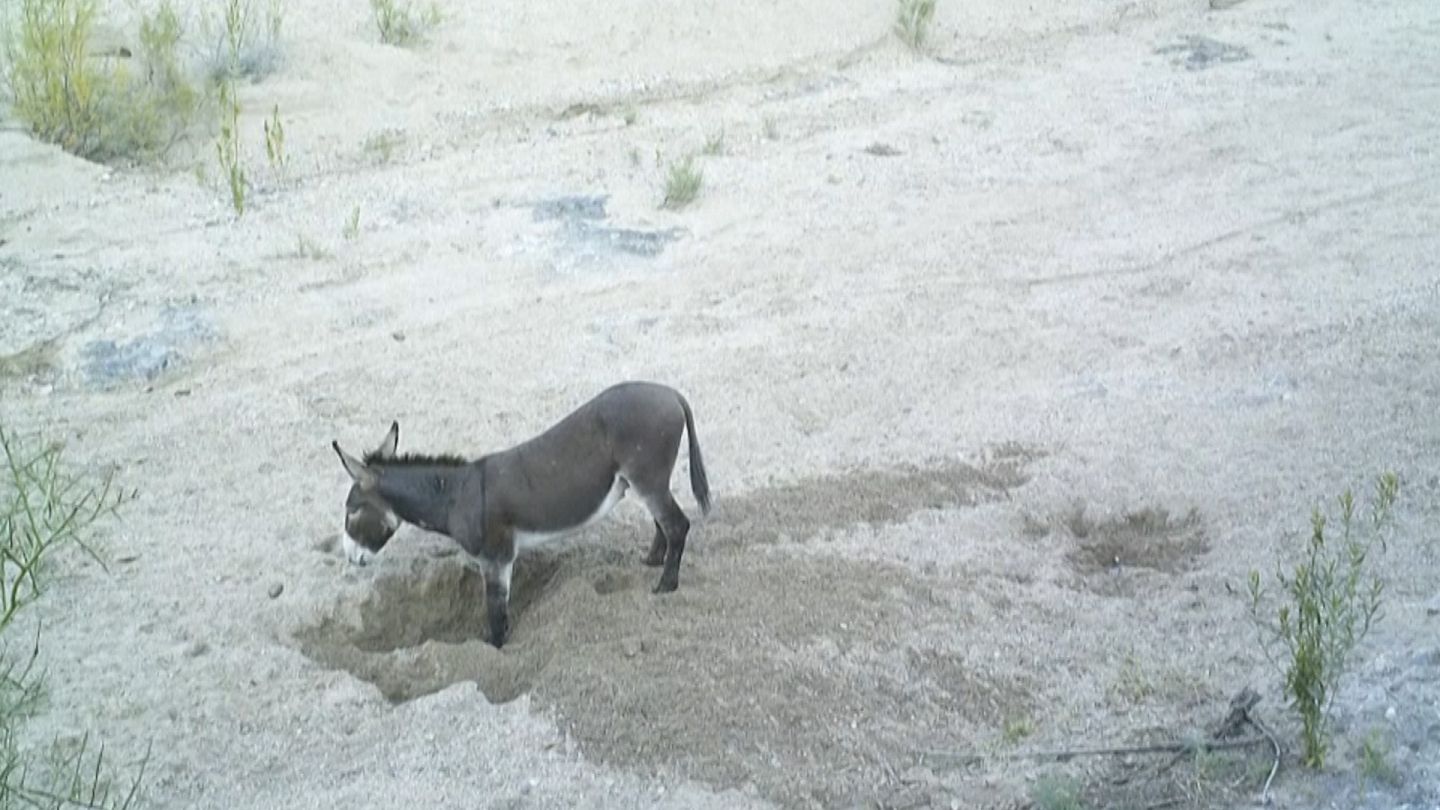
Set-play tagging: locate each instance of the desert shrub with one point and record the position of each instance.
(682, 184)
(243, 43)
(1327, 606)
(45, 508)
(401, 24)
(912, 21)
(97, 107)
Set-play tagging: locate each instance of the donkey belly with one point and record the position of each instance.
(530, 538)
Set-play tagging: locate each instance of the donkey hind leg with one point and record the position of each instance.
(497, 599)
(671, 521)
(656, 557)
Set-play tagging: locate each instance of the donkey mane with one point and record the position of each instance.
(414, 460)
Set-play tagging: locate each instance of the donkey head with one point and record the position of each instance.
(370, 522)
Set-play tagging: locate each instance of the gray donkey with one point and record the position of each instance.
(549, 486)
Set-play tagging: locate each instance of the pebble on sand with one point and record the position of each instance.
(276, 589)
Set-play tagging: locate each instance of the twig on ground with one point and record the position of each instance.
(1066, 754)
(1274, 768)
(1222, 737)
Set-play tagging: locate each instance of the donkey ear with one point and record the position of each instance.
(390, 442)
(359, 473)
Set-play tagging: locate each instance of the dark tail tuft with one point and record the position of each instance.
(699, 484)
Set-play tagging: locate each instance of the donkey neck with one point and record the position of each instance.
(422, 494)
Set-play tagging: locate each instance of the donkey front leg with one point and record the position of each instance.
(497, 599)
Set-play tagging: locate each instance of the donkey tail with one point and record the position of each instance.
(699, 484)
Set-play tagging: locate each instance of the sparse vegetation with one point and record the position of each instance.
(771, 128)
(275, 141)
(1017, 728)
(1329, 603)
(44, 508)
(401, 24)
(912, 21)
(246, 46)
(1134, 684)
(352, 225)
(306, 248)
(1375, 764)
(682, 184)
(94, 105)
(381, 146)
(715, 144)
(1055, 793)
(227, 147)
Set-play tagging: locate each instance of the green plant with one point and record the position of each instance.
(352, 225)
(227, 147)
(912, 21)
(275, 141)
(1330, 602)
(381, 146)
(1016, 729)
(91, 105)
(1134, 684)
(401, 24)
(237, 24)
(715, 144)
(44, 508)
(246, 46)
(305, 248)
(1055, 793)
(682, 184)
(57, 89)
(1375, 761)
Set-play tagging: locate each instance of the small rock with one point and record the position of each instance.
(1390, 713)
(326, 544)
(1432, 608)
(197, 649)
(276, 589)
(398, 336)
(631, 647)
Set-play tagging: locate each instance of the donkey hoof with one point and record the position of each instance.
(655, 560)
(666, 586)
(499, 634)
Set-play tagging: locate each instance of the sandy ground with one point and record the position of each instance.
(1112, 256)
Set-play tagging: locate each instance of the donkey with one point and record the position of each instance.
(547, 487)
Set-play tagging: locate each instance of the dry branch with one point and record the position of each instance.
(1222, 738)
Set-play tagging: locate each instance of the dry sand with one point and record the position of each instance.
(1119, 256)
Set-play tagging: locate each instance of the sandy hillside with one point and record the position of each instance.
(1008, 362)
